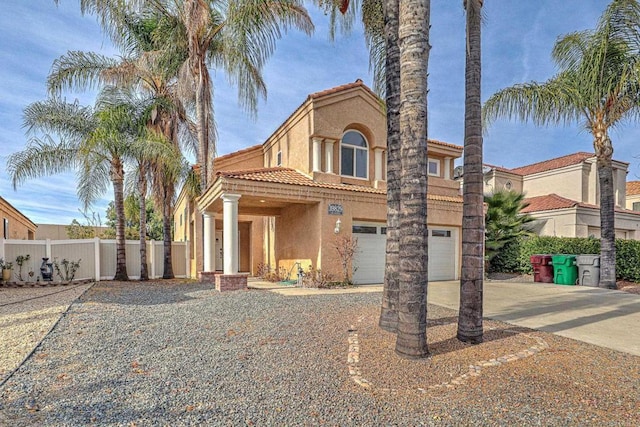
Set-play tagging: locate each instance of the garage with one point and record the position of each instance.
(369, 259)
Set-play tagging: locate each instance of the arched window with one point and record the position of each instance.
(354, 155)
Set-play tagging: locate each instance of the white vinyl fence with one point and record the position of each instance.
(97, 257)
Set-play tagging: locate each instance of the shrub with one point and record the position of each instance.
(316, 278)
(516, 257)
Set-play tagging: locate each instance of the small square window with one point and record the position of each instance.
(636, 206)
(433, 167)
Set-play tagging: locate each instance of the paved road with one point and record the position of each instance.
(598, 316)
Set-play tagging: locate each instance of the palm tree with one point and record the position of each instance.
(503, 221)
(597, 85)
(237, 37)
(471, 279)
(151, 71)
(93, 141)
(413, 39)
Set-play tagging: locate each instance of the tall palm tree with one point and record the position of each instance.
(413, 39)
(237, 37)
(92, 141)
(152, 71)
(391, 289)
(471, 280)
(597, 85)
(380, 22)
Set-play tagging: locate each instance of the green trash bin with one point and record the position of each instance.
(565, 271)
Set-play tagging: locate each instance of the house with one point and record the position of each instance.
(564, 196)
(633, 195)
(321, 174)
(15, 225)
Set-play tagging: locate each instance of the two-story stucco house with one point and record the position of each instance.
(564, 196)
(321, 174)
(633, 195)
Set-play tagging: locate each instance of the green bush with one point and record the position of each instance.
(515, 258)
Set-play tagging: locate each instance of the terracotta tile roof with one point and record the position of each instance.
(547, 202)
(279, 175)
(445, 144)
(498, 168)
(558, 162)
(633, 188)
(357, 83)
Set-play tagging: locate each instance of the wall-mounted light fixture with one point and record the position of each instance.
(338, 227)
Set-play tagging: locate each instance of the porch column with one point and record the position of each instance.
(209, 241)
(230, 232)
(317, 154)
(378, 164)
(328, 151)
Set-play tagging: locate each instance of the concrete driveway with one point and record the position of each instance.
(598, 316)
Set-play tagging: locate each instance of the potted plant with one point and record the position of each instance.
(6, 268)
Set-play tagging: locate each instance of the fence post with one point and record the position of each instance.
(152, 258)
(187, 261)
(96, 253)
(47, 249)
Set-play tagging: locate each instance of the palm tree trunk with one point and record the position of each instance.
(413, 250)
(166, 231)
(203, 136)
(389, 312)
(604, 154)
(117, 177)
(471, 280)
(142, 191)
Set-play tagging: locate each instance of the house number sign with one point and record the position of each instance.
(335, 209)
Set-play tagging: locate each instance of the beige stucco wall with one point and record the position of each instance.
(298, 237)
(631, 199)
(59, 231)
(251, 158)
(566, 182)
(583, 222)
(19, 226)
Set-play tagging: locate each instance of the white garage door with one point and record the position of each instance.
(369, 259)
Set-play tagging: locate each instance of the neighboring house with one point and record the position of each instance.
(563, 195)
(14, 224)
(633, 196)
(322, 173)
(59, 231)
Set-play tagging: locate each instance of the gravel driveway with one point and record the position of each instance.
(173, 354)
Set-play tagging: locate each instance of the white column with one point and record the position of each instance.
(230, 232)
(208, 231)
(378, 163)
(317, 154)
(447, 168)
(328, 151)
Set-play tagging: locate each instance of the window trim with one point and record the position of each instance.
(367, 150)
(437, 162)
(279, 158)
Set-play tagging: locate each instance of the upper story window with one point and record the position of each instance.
(354, 155)
(636, 206)
(279, 158)
(434, 167)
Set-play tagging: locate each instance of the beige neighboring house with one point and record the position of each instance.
(59, 231)
(563, 195)
(633, 195)
(321, 175)
(15, 225)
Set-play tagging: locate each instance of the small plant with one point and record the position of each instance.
(316, 278)
(66, 269)
(347, 247)
(276, 276)
(20, 260)
(5, 265)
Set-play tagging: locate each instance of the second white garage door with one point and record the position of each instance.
(369, 259)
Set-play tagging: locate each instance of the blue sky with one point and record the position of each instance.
(517, 40)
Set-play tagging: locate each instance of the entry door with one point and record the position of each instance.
(218, 251)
